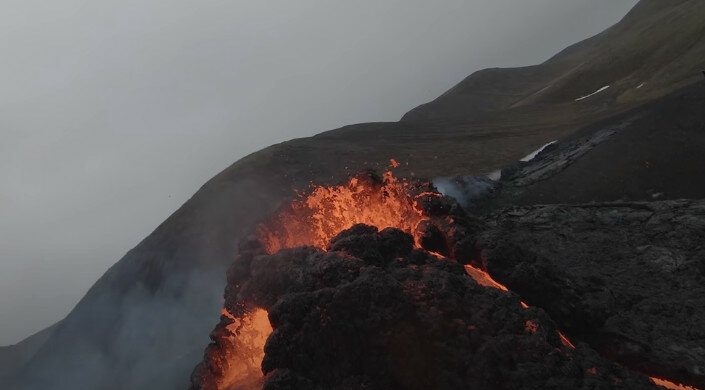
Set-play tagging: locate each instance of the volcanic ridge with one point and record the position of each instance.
(417, 308)
(580, 267)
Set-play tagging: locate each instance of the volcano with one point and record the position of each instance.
(599, 235)
(416, 305)
(373, 312)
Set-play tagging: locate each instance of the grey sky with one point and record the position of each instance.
(114, 112)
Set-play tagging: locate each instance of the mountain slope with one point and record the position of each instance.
(145, 322)
(659, 45)
(653, 152)
(13, 357)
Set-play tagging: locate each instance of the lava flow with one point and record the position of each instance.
(241, 367)
(313, 219)
(484, 279)
(316, 218)
(343, 228)
(670, 385)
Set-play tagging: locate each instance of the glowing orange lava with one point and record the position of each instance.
(316, 218)
(313, 219)
(484, 279)
(565, 341)
(241, 368)
(670, 385)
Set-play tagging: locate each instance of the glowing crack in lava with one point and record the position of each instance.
(316, 218)
(244, 350)
(484, 279)
(670, 385)
(240, 351)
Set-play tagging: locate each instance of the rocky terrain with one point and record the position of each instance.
(625, 277)
(624, 281)
(144, 324)
(373, 312)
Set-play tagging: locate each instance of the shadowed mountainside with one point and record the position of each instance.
(624, 277)
(651, 153)
(143, 325)
(13, 357)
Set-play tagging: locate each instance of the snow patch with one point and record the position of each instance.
(497, 175)
(542, 89)
(535, 153)
(640, 85)
(594, 93)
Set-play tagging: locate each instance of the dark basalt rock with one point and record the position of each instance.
(373, 247)
(362, 316)
(627, 278)
(623, 280)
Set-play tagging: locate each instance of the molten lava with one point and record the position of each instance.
(531, 326)
(484, 279)
(234, 360)
(670, 385)
(565, 341)
(241, 367)
(315, 218)
(310, 220)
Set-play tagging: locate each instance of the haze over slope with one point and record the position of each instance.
(115, 112)
(164, 289)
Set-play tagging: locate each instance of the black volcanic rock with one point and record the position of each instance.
(373, 247)
(627, 278)
(407, 320)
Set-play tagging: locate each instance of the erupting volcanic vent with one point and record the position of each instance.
(313, 219)
(375, 284)
(316, 218)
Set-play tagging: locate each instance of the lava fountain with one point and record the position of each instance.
(234, 358)
(326, 211)
(303, 229)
